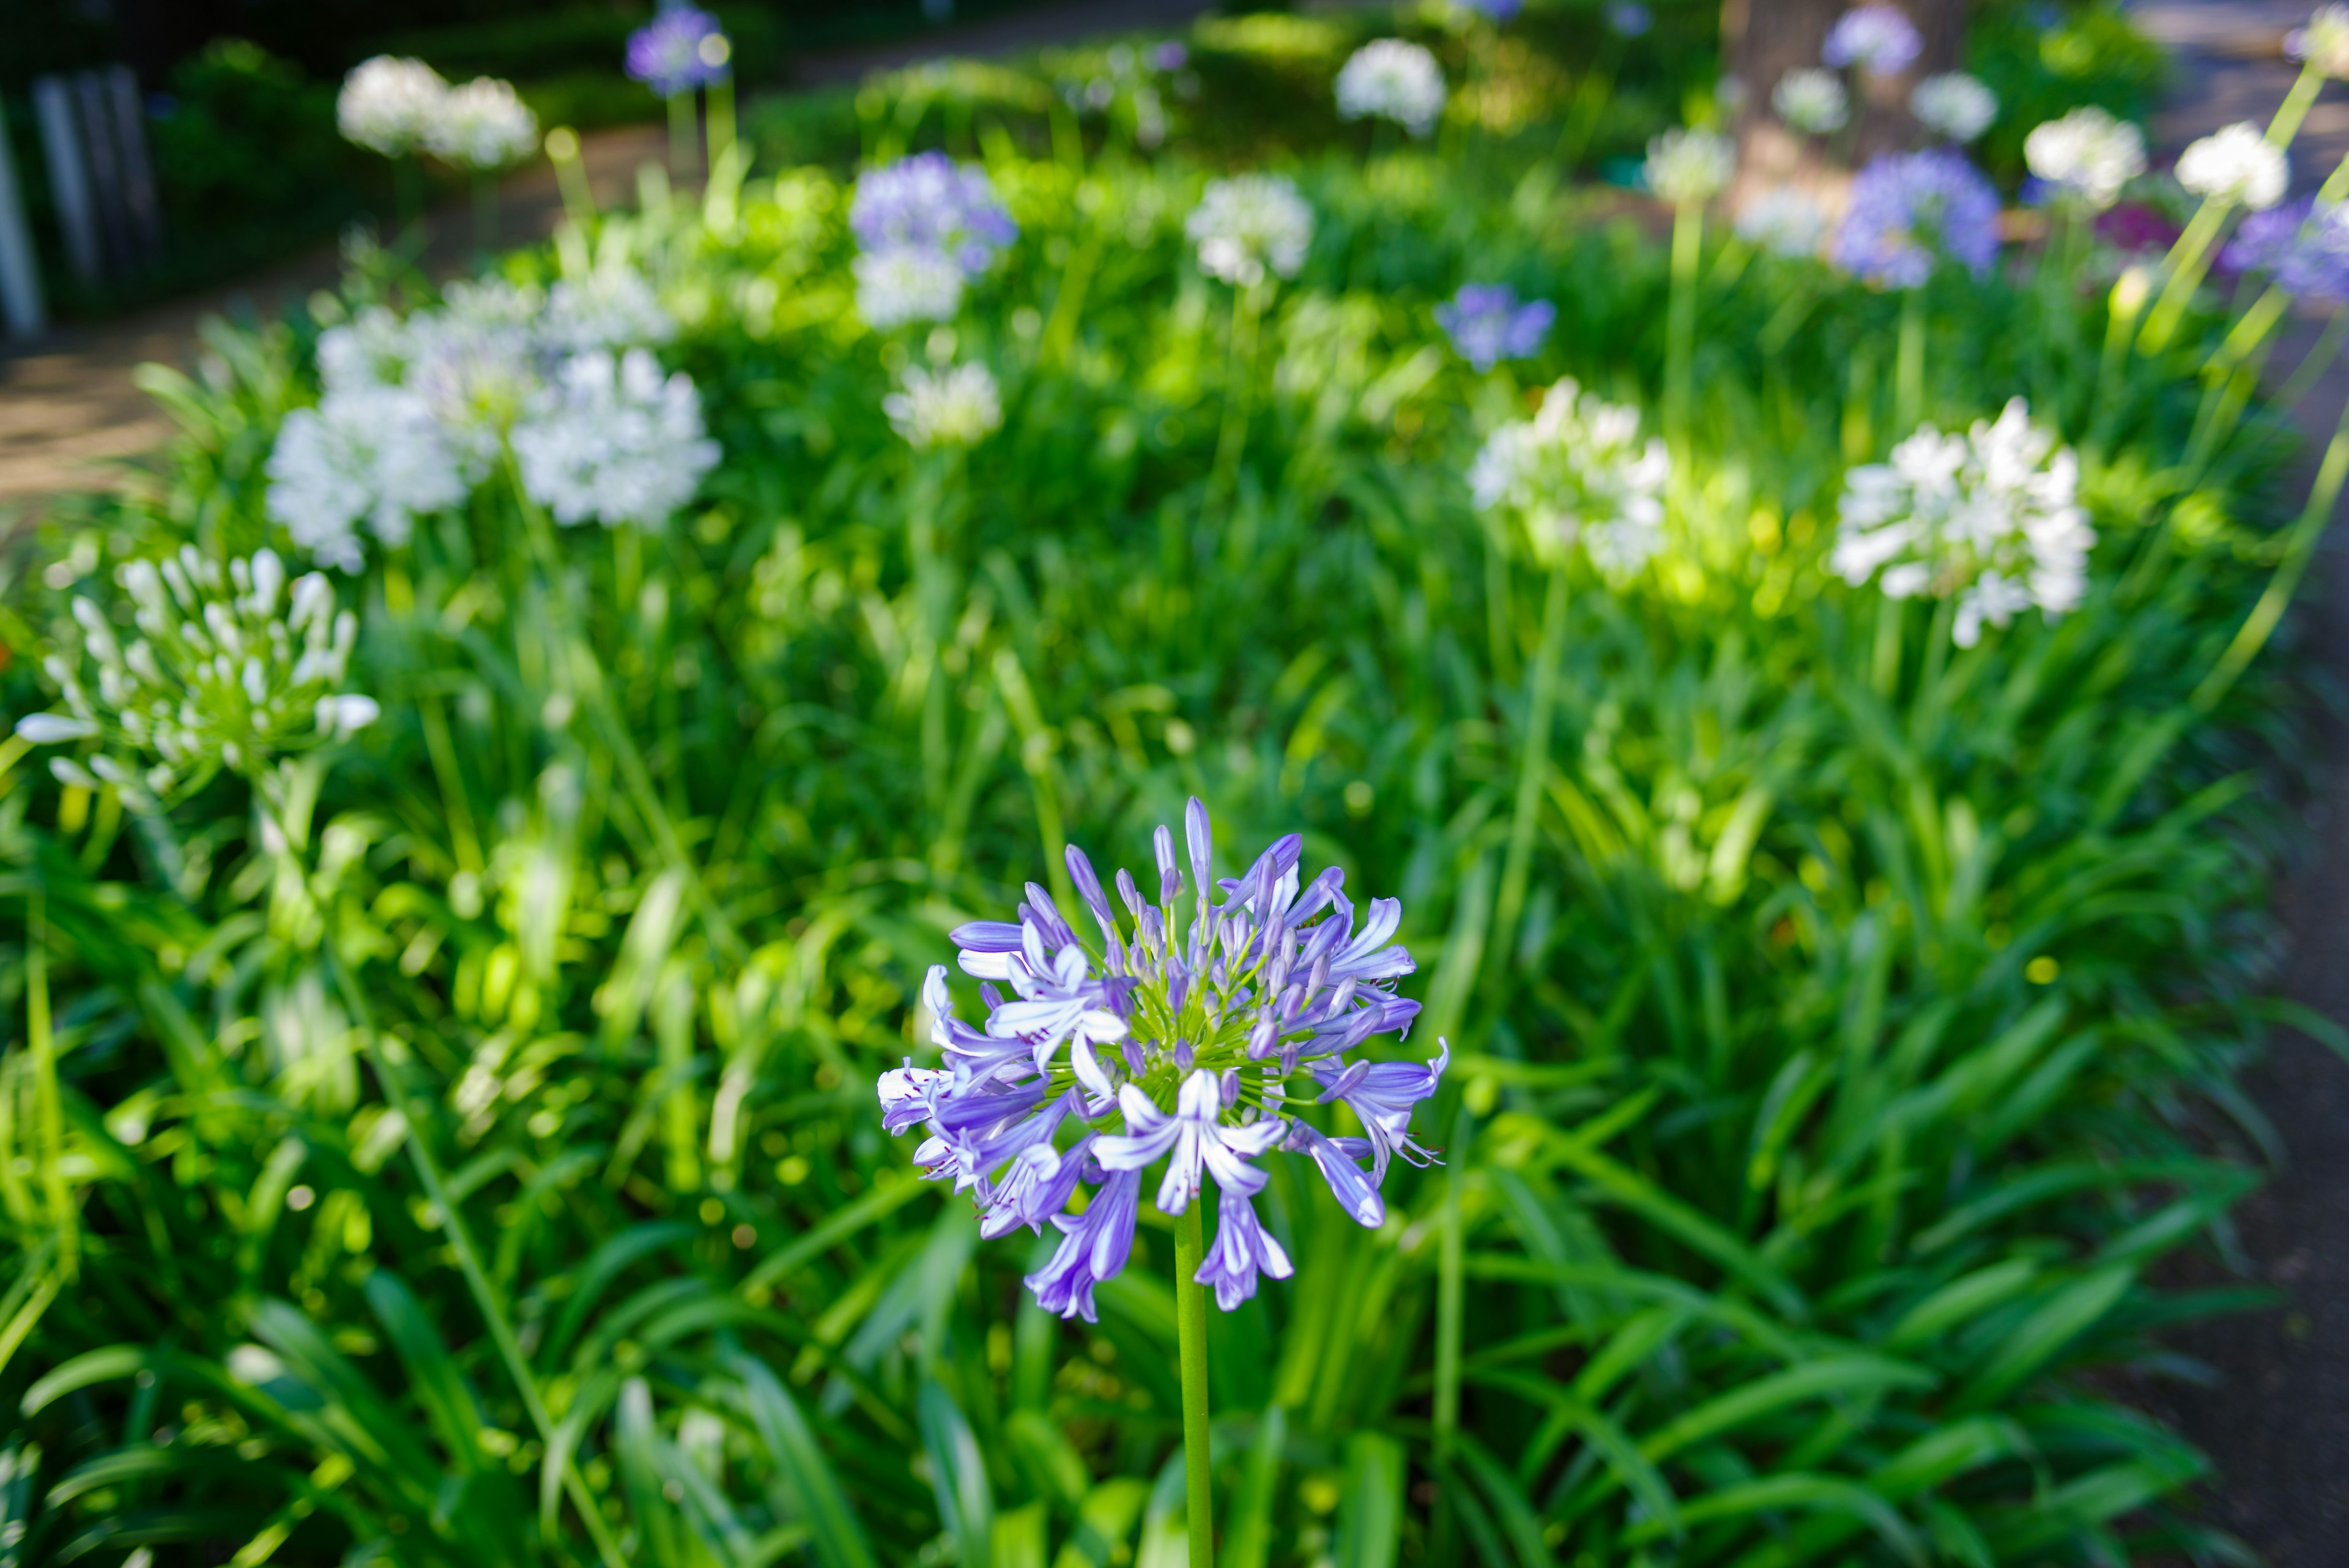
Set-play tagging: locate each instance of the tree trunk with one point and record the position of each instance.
(1762, 40)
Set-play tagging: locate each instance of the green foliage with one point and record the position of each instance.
(482, 1165)
(2047, 61)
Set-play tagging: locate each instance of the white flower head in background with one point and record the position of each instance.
(1392, 79)
(482, 126)
(476, 382)
(894, 288)
(1785, 219)
(1811, 101)
(229, 668)
(2236, 166)
(613, 441)
(1250, 225)
(373, 348)
(1690, 166)
(389, 105)
(611, 309)
(957, 406)
(1878, 37)
(367, 454)
(1577, 473)
(2323, 43)
(1954, 105)
(1990, 517)
(2088, 155)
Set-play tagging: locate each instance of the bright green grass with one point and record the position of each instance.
(1867, 1040)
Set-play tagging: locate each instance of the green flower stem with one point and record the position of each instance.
(2295, 105)
(2298, 545)
(469, 1264)
(49, 1115)
(571, 176)
(634, 774)
(2188, 259)
(1680, 326)
(681, 138)
(720, 115)
(1240, 386)
(1532, 763)
(1191, 1346)
(1908, 366)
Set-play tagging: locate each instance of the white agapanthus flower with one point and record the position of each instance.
(2088, 155)
(2237, 166)
(477, 381)
(895, 287)
(2322, 42)
(1577, 472)
(611, 442)
(957, 406)
(367, 454)
(389, 105)
(1392, 79)
(1690, 166)
(484, 125)
(1250, 225)
(1785, 219)
(373, 348)
(229, 668)
(1812, 100)
(1954, 105)
(612, 307)
(1991, 517)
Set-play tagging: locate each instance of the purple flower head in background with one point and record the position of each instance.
(1876, 37)
(1631, 18)
(673, 52)
(1487, 324)
(1908, 210)
(1170, 56)
(1497, 10)
(927, 201)
(1193, 1046)
(2304, 246)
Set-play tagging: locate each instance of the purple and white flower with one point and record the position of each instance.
(1488, 324)
(1193, 1042)
(1877, 38)
(927, 201)
(678, 50)
(1909, 211)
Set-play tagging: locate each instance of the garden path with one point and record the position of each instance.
(2277, 1423)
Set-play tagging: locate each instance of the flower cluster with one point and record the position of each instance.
(1578, 472)
(1785, 219)
(1201, 1043)
(397, 107)
(1990, 516)
(416, 410)
(681, 48)
(1877, 38)
(1811, 101)
(925, 226)
(1130, 87)
(613, 441)
(1392, 79)
(2323, 43)
(1954, 105)
(957, 406)
(1689, 167)
(2304, 246)
(2087, 156)
(1249, 224)
(2235, 166)
(388, 104)
(230, 667)
(1488, 324)
(1908, 210)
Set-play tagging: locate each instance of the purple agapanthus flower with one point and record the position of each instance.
(1876, 37)
(1499, 10)
(1487, 324)
(1194, 1046)
(668, 53)
(1910, 210)
(927, 201)
(1170, 56)
(2303, 247)
(1631, 18)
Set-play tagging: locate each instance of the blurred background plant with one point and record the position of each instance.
(465, 1148)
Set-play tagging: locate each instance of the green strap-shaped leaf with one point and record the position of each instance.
(835, 1535)
(957, 1474)
(1370, 1505)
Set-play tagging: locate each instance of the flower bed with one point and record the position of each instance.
(1809, 733)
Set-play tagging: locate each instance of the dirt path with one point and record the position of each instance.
(2277, 1420)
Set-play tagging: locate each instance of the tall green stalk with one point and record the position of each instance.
(1680, 323)
(1533, 762)
(2298, 545)
(1239, 388)
(1191, 1348)
(1908, 367)
(682, 149)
